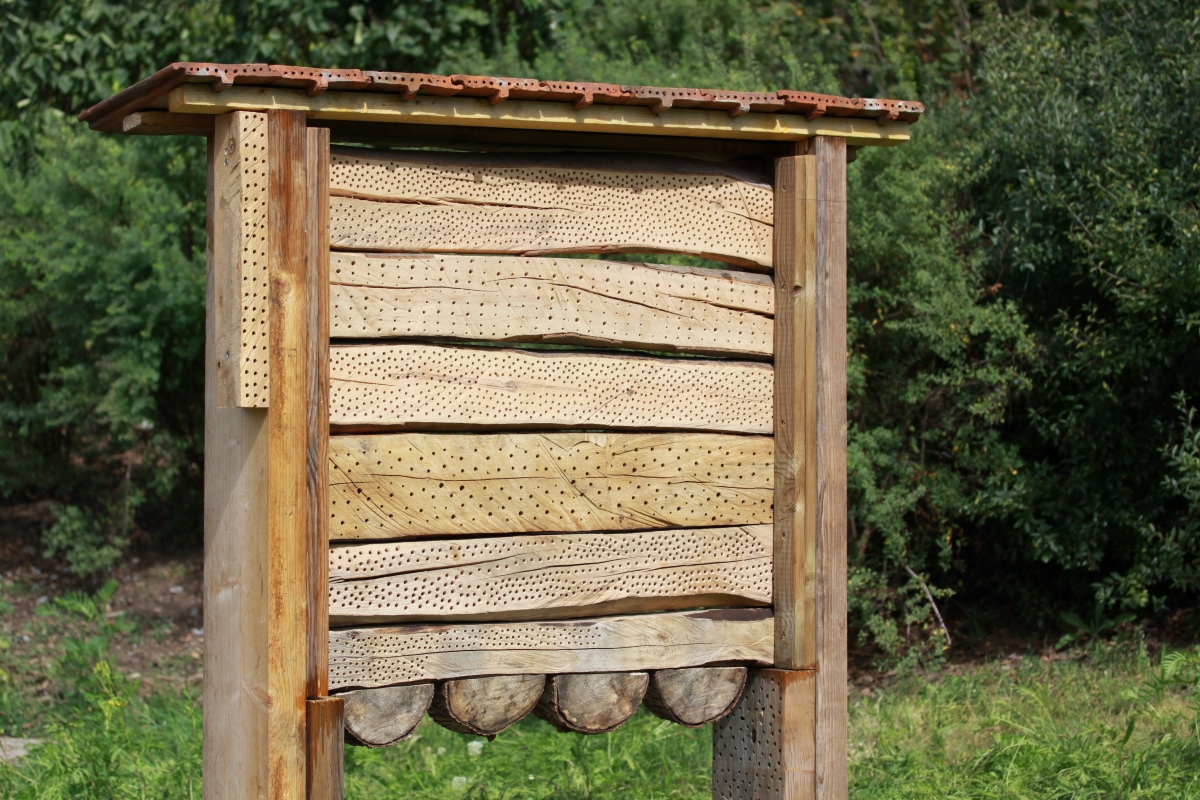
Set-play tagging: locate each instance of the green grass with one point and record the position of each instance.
(1112, 721)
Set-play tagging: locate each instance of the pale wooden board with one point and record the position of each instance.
(550, 576)
(432, 386)
(239, 218)
(429, 484)
(236, 687)
(531, 114)
(505, 203)
(367, 657)
(832, 701)
(765, 748)
(564, 300)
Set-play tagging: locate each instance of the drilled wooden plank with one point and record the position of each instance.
(431, 386)
(239, 219)
(550, 576)
(428, 484)
(500, 203)
(367, 657)
(561, 300)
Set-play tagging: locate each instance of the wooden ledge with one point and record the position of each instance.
(533, 115)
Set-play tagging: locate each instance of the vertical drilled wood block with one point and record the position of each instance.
(795, 572)
(236, 686)
(288, 528)
(765, 748)
(830, 154)
(240, 218)
(325, 738)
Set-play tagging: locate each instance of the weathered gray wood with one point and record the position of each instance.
(429, 484)
(694, 696)
(382, 716)
(591, 703)
(557, 300)
(419, 201)
(383, 656)
(485, 706)
(550, 576)
(433, 387)
(765, 749)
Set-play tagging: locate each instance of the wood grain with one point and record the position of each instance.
(766, 748)
(368, 657)
(591, 703)
(383, 716)
(694, 696)
(557, 300)
(194, 98)
(552, 576)
(831, 680)
(325, 738)
(289, 449)
(236, 685)
(431, 387)
(485, 706)
(513, 203)
(428, 484)
(795, 414)
(239, 219)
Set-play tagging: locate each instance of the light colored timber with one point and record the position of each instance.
(427, 484)
(485, 706)
(496, 203)
(378, 107)
(236, 685)
(368, 657)
(289, 502)
(766, 748)
(591, 703)
(383, 716)
(325, 728)
(435, 387)
(796, 413)
(164, 123)
(695, 696)
(240, 237)
(549, 576)
(831, 680)
(559, 300)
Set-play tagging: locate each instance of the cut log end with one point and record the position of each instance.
(485, 706)
(381, 717)
(591, 702)
(695, 696)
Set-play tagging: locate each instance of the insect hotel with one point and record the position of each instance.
(467, 456)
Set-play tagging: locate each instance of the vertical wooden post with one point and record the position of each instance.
(326, 734)
(237, 695)
(786, 740)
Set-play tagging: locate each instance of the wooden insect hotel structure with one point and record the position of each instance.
(457, 464)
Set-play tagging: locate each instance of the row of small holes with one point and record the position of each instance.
(251, 152)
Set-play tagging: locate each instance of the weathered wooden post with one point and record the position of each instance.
(403, 517)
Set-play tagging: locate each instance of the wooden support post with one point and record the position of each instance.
(237, 695)
(325, 738)
(807, 690)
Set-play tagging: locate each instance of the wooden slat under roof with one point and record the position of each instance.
(185, 96)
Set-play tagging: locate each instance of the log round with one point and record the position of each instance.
(485, 706)
(591, 702)
(383, 716)
(695, 696)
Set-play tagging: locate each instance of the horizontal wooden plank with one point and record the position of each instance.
(431, 386)
(197, 98)
(560, 300)
(368, 657)
(554, 203)
(551, 576)
(429, 484)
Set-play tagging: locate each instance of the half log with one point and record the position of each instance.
(485, 706)
(695, 696)
(591, 702)
(383, 716)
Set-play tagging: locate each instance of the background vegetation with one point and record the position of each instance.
(1025, 275)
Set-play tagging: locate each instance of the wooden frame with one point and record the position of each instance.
(656, 516)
